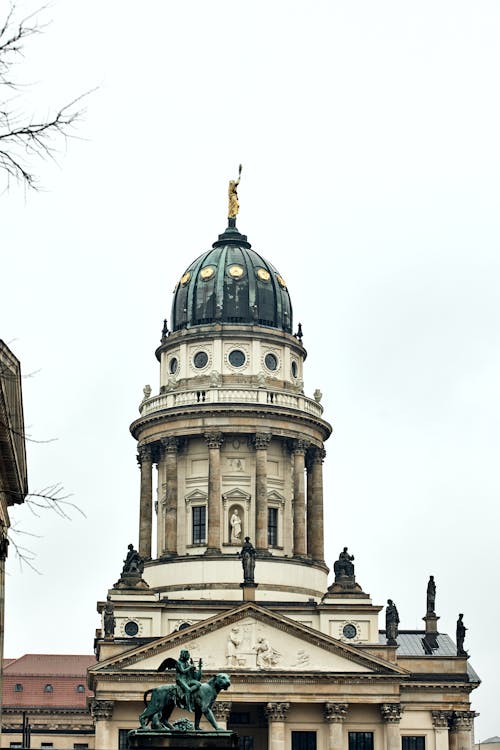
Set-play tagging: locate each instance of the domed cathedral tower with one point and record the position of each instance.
(239, 447)
(236, 574)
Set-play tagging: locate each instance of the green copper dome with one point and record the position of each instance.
(231, 283)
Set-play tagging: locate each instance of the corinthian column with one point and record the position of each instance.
(261, 441)
(102, 712)
(145, 461)
(391, 715)
(222, 711)
(170, 447)
(299, 448)
(315, 531)
(461, 730)
(276, 716)
(440, 722)
(214, 442)
(335, 714)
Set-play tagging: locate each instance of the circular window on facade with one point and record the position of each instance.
(281, 281)
(173, 365)
(263, 275)
(295, 369)
(349, 631)
(185, 278)
(131, 628)
(237, 358)
(207, 273)
(200, 360)
(236, 271)
(271, 361)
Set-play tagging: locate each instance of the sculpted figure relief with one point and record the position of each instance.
(344, 565)
(461, 631)
(235, 527)
(247, 556)
(234, 641)
(109, 619)
(391, 623)
(267, 656)
(431, 596)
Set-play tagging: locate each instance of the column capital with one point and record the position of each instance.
(391, 712)
(221, 710)
(101, 710)
(318, 455)
(261, 440)
(214, 439)
(461, 720)
(335, 713)
(144, 453)
(276, 711)
(170, 444)
(299, 446)
(440, 719)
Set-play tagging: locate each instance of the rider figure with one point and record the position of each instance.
(187, 678)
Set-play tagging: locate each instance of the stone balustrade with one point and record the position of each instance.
(220, 395)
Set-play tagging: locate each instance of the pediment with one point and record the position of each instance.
(252, 638)
(196, 495)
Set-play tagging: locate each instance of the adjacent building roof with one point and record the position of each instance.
(46, 680)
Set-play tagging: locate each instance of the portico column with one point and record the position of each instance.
(261, 441)
(276, 718)
(440, 722)
(170, 447)
(299, 448)
(315, 531)
(335, 714)
(391, 715)
(145, 461)
(214, 442)
(102, 711)
(461, 730)
(222, 711)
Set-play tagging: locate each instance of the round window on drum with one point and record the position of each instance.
(271, 361)
(200, 360)
(237, 358)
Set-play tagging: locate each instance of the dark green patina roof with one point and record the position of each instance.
(231, 283)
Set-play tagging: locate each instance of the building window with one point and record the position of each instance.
(123, 739)
(303, 740)
(360, 740)
(199, 524)
(245, 743)
(239, 717)
(46, 744)
(412, 743)
(16, 744)
(80, 688)
(48, 688)
(272, 527)
(80, 746)
(18, 688)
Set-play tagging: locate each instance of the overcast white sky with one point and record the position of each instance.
(369, 135)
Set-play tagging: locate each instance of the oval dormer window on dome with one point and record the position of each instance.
(207, 272)
(263, 275)
(236, 271)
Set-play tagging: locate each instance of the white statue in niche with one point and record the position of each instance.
(267, 656)
(234, 640)
(235, 527)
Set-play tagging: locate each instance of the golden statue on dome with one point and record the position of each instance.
(234, 205)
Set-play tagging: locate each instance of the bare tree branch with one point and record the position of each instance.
(23, 139)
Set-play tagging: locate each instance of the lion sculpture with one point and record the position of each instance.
(164, 699)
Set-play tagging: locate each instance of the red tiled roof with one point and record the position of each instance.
(34, 671)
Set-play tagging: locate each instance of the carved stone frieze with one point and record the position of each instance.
(441, 719)
(101, 710)
(335, 712)
(391, 712)
(276, 711)
(214, 439)
(221, 710)
(462, 720)
(261, 440)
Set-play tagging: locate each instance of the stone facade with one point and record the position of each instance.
(239, 451)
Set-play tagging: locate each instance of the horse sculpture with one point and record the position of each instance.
(165, 698)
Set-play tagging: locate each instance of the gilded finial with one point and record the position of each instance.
(234, 205)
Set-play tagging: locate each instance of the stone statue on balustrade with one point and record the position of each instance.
(344, 574)
(247, 556)
(391, 623)
(133, 568)
(109, 619)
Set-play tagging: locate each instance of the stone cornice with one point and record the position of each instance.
(266, 411)
(45, 710)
